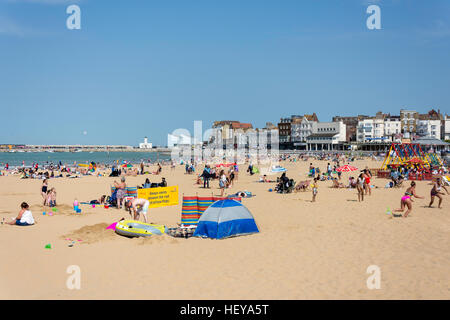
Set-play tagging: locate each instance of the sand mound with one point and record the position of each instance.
(91, 234)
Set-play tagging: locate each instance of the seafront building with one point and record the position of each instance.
(302, 128)
(446, 128)
(327, 136)
(284, 132)
(362, 132)
(351, 124)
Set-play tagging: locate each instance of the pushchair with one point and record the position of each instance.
(112, 200)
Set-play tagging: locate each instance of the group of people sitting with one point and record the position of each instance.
(313, 172)
(189, 168)
(34, 174)
(148, 184)
(284, 184)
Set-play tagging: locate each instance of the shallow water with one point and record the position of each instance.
(68, 158)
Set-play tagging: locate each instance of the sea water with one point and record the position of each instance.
(14, 159)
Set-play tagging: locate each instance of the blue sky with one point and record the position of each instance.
(149, 67)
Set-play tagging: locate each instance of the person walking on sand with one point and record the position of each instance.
(367, 176)
(360, 187)
(142, 167)
(407, 200)
(222, 182)
(315, 187)
(436, 192)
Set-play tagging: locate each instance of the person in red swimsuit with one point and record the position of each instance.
(367, 175)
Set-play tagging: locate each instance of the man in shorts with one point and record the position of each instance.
(138, 206)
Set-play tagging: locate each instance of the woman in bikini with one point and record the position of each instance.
(407, 199)
(44, 190)
(436, 192)
(367, 177)
(360, 187)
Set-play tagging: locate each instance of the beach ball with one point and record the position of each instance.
(93, 206)
(270, 190)
(50, 214)
(55, 210)
(43, 213)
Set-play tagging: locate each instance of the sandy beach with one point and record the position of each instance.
(304, 250)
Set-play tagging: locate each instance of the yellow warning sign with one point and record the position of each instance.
(160, 197)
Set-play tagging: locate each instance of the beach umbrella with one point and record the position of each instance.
(346, 168)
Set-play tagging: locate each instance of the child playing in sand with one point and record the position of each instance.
(75, 204)
(315, 187)
(52, 202)
(24, 218)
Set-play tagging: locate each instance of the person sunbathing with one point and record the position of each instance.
(352, 183)
(102, 200)
(24, 218)
(337, 184)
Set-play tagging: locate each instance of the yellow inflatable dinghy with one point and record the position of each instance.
(132, 228)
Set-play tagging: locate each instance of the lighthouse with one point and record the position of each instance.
(145, 144)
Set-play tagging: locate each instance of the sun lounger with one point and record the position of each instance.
(302, 185)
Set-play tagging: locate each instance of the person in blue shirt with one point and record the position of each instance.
(206, 175)
(147, 184)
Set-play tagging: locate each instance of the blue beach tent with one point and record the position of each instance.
(225, 218)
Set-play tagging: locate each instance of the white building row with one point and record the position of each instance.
(392, 129)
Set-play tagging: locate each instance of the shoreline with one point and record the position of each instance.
(161, 150)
